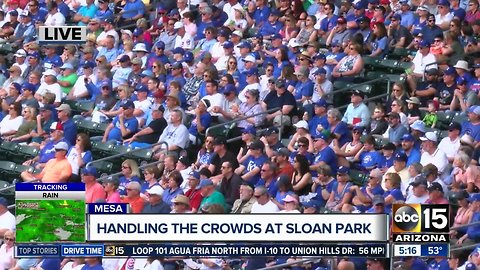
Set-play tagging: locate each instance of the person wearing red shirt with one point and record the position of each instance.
(194, 193)
(93, 190)
(436, 195)
(133, 197)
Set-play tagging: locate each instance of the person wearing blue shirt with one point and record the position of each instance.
(357, 113)
(439, 263)
(205, 22)
(304, 87)
(93, 263)
(368, 157)
(202, 120)
(48, 151)
(64, 9)
(431, 30)
(408, 18)
(323, 184)
(103, 12)
(157, 55)
(85, 13)
(329, 22)
(133, 10)
(250, 168)
(413, 154)
(38, 14)
(353, 19)
(174, 181)
(362, 197)
(261, 14)
(109, 50)
(338, 128)
(319, 121)
(69, 126)
(272, 26)
(393, 192)
(324, 156)
(380, 44)
(123, 125)
(472, 125)
(396, 130)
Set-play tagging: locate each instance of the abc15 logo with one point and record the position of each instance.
(420, 218)
(114, 250)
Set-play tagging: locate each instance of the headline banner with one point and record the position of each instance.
(238, 228)
(204, 250)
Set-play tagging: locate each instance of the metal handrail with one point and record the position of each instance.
(241, 119)
(128, 152)
(341, 90)
(463, 247)
(465, 225)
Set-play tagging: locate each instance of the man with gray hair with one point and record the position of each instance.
(264, 203)
(175, 135)
(244, 204)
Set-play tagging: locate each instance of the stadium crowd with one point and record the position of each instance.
(166, 71)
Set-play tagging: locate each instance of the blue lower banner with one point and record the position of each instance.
(203, 250)
(421, 250)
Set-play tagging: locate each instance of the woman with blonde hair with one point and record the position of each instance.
(29, 123)
(6, 250)
(130, 173)
(151, 174)
(393, 194)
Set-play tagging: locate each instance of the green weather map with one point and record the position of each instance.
(50, 221)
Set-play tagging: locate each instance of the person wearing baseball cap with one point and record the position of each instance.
(418, 192)
(127, 122)
(400, 168)
(408, 147)
(397, 129)
(451, 144)
(432, 154)
(93, 190)
(193, 192)
(250, 168)
(56, 170)
(155, 203)
(357, 113)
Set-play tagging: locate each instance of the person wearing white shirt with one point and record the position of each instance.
(50, 85)
(230, 7)
(423, 59)
(142, 104)
(216, 99)
(222, 60)
(419, 192)
(74, 264)
(264, 203)
(451, 144)
(79, 89)
(323, 87)
(7, 219)
(432, 154)
(183, 40)
(54, 18)
(252, 84)
(108, 30)
(176, 134)
(20, 57)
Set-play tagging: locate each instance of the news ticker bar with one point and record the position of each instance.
(207, 250)
(421, 250)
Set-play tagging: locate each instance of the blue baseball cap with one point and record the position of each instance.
(475, 197)
(34, 54)
(66, 66)
(275, 12)
(374, 2)
(450, 71)
(245, 44)
(178, 50)
(358, 5)
(160, 45)
(3, 201)
(206, 183)
(28, 86)
(397, 17)
(147, 73)
(13, 13)
(400, 157)
(250, 130)
(57, 62)
(443, 3)
(408, 137)
(461, 80)
(137, 32)
(321, 103)
(141, 88)
(176, 65)
(358, 128)
(250, 72)
(321, 135)
(128, 105)
(124, 58)
(188, 57)
(312, 204)
(474, 109)
(423, 44)
(229, 88)
(194, 174)
(276, 36)
(89, 170)
(320, 56)
(320, 71)
(88, 64)
(343, 170)
(228, 45)
(17, 86)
